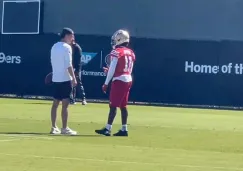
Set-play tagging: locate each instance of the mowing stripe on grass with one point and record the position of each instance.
(125, 162)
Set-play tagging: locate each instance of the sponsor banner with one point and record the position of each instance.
(87, 57)
(95, 68)
(93, 73)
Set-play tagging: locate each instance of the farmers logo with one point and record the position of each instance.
(87, 57)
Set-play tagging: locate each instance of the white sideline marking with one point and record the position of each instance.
(124, 162)
(9, 140)
(28, 136)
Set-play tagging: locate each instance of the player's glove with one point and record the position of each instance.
(104, 88)
(105, 69)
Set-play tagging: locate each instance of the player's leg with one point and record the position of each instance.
(84, 102)
(76, 89)
(107, 129)
(111, 117)
(123, 131)
(124, 111)
(115, 101)
(73, 96)
(66, 90)
(80, 89)
(124, 116)
(55, 104)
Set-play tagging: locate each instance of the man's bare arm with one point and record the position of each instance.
(71, 72)
(68, 62)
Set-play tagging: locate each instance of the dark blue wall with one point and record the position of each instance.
(159, 72)
(164, 19)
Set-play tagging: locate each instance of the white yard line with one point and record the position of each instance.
(124, 162)
(8, 140)
(28, 136)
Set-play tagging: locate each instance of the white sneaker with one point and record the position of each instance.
(55, 131)
(84, 102)
(68, 131)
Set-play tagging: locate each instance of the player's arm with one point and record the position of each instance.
(108, 59)
(111, 70)
(77, 58)
(68, 61)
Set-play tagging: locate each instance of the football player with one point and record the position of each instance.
(122, 59)
(79, 89)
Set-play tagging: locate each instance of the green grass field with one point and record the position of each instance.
(160, 139)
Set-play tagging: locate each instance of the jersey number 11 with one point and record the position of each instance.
(128, 61)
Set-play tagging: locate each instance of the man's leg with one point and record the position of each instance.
(55, 104)
(65, 129)
(54, 107)
(65, 104)
(54, 129)
(66, 90)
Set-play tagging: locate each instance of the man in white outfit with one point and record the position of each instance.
(63, 79)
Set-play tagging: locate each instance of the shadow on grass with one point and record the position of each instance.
(36, 103)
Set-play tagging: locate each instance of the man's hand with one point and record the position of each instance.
(105, 69)
(74, 82)
(76, 73)
(104, 88)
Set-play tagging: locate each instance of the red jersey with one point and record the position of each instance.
(126, 59)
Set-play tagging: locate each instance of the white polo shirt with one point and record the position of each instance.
(61, 60)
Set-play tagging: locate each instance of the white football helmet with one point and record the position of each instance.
(120, 37)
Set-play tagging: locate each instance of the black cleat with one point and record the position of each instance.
(121, 133)
(103, 131)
